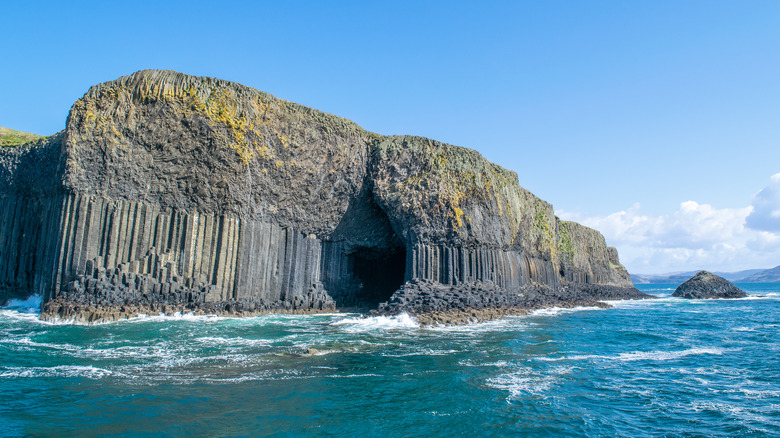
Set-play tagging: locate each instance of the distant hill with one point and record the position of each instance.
(765, 276)
(10, 137)
(746, 276)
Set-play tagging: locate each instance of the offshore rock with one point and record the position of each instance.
(168, 192)
(707, 285)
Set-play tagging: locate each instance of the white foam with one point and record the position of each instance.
(27, 342)
(661, 300)
(471, 363)
(729, 409)
(422, 352)
(57, 371)
(760, 296)
(744, 329)
(508, 322)
(93, 352)
(20, 316)
(359, 324)
(178, 316)
(759, 394)
(524, 382)
(236, 341)
(640, 355)
(667, 355)
(142, 318)
(30, 305)
(553, 311)
(350, 376)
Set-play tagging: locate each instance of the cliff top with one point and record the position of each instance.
(10, 137)
(231, 100)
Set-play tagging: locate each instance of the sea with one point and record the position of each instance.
(655, 368)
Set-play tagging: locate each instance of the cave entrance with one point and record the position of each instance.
(379, 271)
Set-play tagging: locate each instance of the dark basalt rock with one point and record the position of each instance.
(707, 285)
(168, 192)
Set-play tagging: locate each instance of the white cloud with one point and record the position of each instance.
(692, 226)
(766, 207)
(764, 241)
(695, 236)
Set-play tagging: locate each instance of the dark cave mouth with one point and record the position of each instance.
(379, 272)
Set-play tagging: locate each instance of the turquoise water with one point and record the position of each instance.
(664, 367)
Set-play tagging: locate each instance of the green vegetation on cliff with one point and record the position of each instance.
(10, 137)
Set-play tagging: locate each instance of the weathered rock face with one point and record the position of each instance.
(707, 285)
(168, 191)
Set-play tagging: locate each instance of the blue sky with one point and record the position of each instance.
(656, 122)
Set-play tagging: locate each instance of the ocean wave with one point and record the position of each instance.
(29, 305)
(553, 311)
(744, 329)
(27, 342)
(236, 341)
(755, 295)
(217, 374)
(525, 381)
(659, 355)
(667, 355)
(88, 371)
(372, 323)
(736, 410)
(141, 318)
(662, 300)
(157, 351)
(472, 363)
(759, 394)
(178, 316)
(15, 315)
(351, 376)
(422, 352)
(655, 290)
(480, 328)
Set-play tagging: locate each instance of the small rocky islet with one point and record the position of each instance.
(167, 192)
(706, 285)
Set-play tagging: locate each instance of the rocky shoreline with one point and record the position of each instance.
(435, 304)
(60, 310)
(429, 303)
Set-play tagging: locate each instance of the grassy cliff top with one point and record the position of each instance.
(9, 137)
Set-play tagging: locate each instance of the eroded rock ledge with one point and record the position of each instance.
(168, 191)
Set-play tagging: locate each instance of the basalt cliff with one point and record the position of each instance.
(167, 192)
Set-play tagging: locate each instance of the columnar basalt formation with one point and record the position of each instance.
(170, 192)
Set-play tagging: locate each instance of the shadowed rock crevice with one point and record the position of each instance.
(380, 273)
(364, 262)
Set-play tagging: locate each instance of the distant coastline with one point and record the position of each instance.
(771, 275)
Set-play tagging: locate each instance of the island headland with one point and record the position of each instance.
(167, 192)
